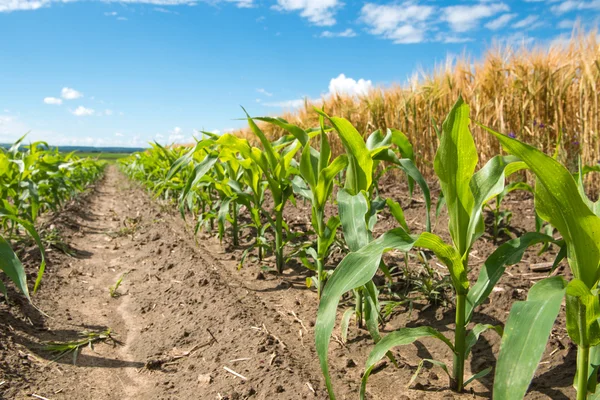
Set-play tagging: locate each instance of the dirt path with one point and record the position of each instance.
(190, 325)
(181, 319)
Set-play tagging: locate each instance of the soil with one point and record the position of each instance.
(188, 324)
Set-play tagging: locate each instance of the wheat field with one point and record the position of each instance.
(544, 95)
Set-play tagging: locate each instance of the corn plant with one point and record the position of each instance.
(35, 179)
(561, 201)
(275, 160)
(466, 192)
(317, 170)
(357, 206)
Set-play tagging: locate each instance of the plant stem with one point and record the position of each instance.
(320, 250)
(583, 360)
(279, 239)
(234, 224)
(459, 344)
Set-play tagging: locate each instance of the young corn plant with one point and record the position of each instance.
(357, 206)
(466, 192)
(560, 200)
(275, 160)
(318, 172)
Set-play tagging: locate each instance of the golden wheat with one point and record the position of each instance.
(540, 94)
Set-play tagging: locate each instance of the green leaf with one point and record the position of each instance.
(398, 338)
(454, 165)
(358, 268)
(557, 200)
(414, 174)
(474, 334)
(486, 184)
(525, 335)
(360, 164)
(12, 267)
(583, 311)
(479, 375)
(346, 323)
(508, 253)
(298, 132)
(355, 270)
(352, 212)
(397, 213)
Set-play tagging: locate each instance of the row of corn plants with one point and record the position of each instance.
(35, 179)
(219, 177)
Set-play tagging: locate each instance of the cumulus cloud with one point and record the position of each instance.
(401, 23)
(348, 33)
(81, 111)
(70, 94)
(465, 18)
(318, 12)
(52, 100)
(345, 85)
(500, 22)
(119, 134)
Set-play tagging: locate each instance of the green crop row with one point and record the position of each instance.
(35, 179)
(222, 176)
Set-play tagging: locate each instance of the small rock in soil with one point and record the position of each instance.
(204, 379)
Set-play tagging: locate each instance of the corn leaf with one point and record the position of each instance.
(398, 338)
(12, 267)
(557, 201)
(525, 335)
(508, 253)
(454, 165)
(358, 268)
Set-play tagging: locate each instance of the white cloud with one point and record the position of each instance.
(111, 14)
(566, 24)
(20, 5)
(119, 134)
(70, 94)
(165, 10)
(344, 85)
(121, 19)
(348, 33)
(529, 22)
(175, 135)
(52, 100)
(572, 5)
(401, 23)
(297, 103)
(81, 111)
(465, 18)
(242, 3)
(448, 38)
(107, 112)
(318, 12)
(500, 22)
(263, 91)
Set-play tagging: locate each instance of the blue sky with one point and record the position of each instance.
(88, 72)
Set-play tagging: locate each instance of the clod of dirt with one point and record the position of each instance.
(204, 379)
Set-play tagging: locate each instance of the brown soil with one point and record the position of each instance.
(185, 313)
